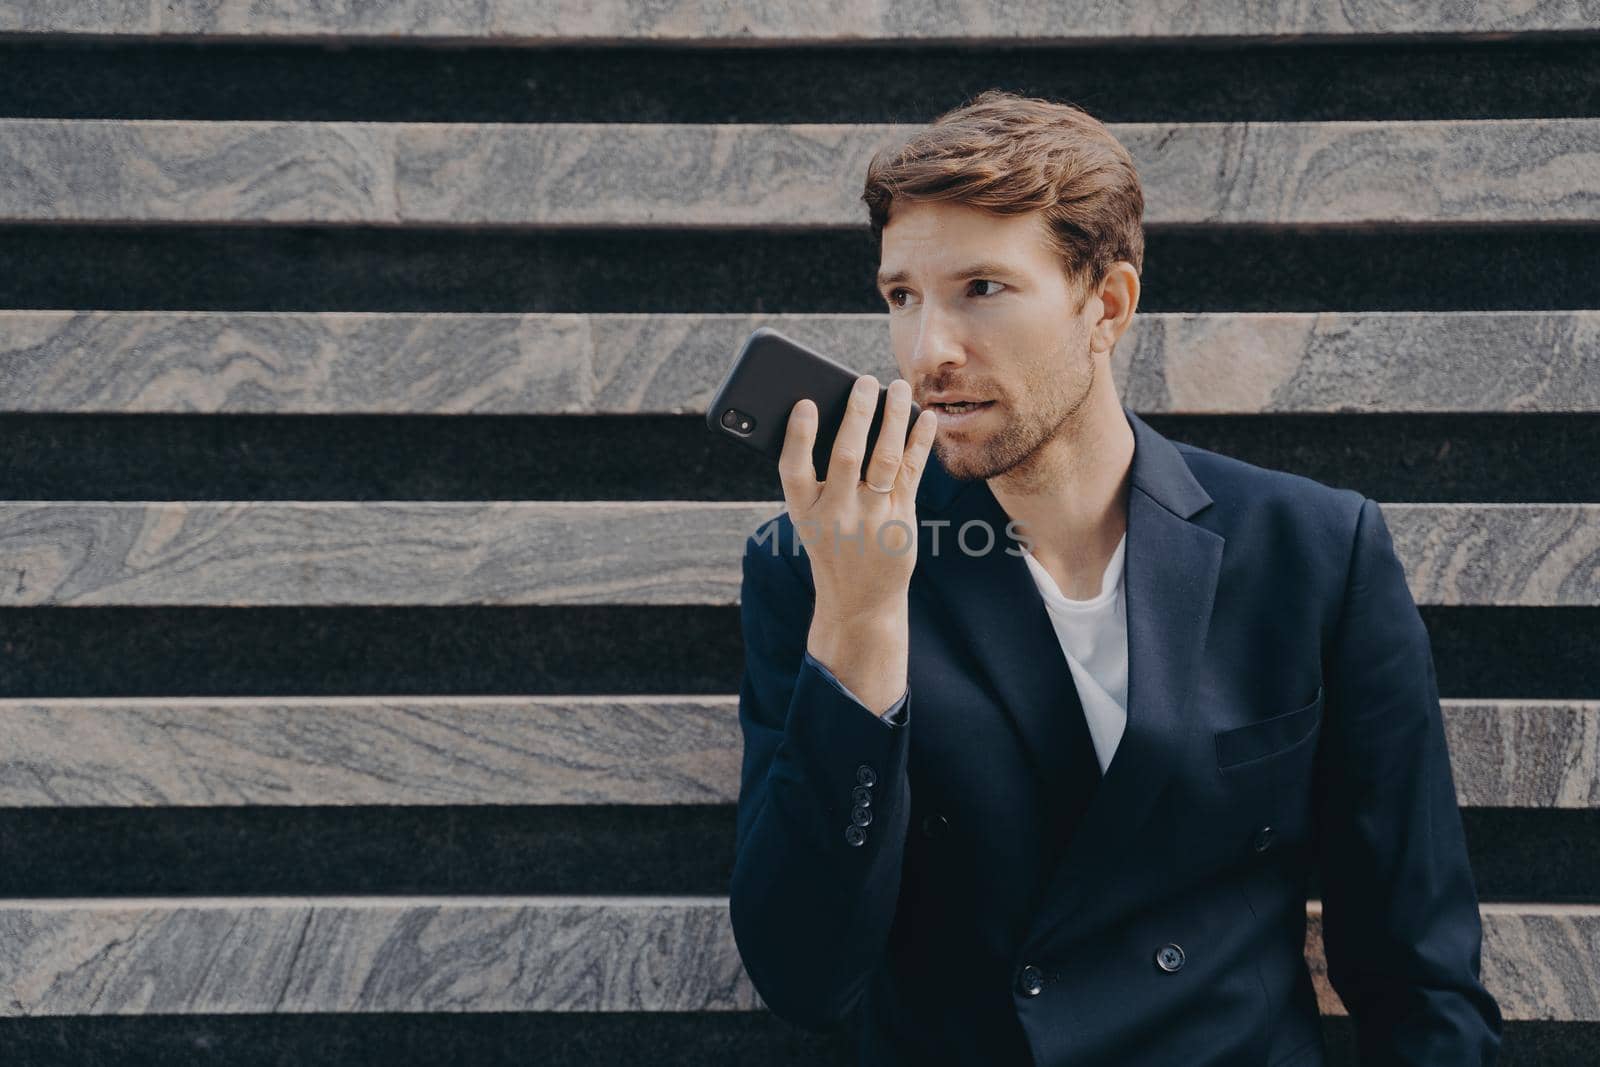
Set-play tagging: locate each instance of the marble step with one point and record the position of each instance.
(642, 175)
(262, 955)
(833, 22)
(271, 553)
(572, 750)
(122, 362)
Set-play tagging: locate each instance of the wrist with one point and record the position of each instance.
(848, 630)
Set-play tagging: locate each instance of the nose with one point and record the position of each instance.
(937, 345)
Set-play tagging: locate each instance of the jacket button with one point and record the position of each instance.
(1030, 982)
(865, 775)
(861, 796)
(1264, 838)
(1169, 958)
(854, 834)
(933, 824)
(861, 816)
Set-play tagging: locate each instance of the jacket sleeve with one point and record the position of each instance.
(1400, 922)
(814, 891)
(897, 711)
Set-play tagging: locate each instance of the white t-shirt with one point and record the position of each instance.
(1094, 636)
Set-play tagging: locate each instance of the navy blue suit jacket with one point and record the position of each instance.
(1283, 714)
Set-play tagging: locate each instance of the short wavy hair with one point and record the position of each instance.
(1011, 154)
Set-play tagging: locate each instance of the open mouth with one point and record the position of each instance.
(961, 409)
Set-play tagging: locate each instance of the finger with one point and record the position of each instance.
(915, 462)
(796, 470)
(844, 465)
(884, 466)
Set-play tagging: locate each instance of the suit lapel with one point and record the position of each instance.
(1171, 566)
(991, 600)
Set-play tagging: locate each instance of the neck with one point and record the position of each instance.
(1071, 497)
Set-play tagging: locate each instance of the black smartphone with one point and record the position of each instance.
(769, 376)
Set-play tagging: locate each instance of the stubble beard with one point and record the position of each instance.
(1016, 445)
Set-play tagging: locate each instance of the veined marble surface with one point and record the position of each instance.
(153, 752)
(610, 552)
(661, 750)
(476, 954)
(816, 21)
(761, 175)
(371, 954)
(649, 364)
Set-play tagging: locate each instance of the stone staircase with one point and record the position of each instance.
(369, 582)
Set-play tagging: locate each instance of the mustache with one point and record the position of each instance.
(958, 390)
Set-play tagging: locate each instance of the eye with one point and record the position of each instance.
(976, 281)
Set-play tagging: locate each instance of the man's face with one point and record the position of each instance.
(1008, 333)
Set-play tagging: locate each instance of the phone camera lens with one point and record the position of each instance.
(737, 421)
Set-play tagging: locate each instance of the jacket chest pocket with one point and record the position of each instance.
(1242, 750)
(1266, 769)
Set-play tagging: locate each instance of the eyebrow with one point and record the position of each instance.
(973, 270)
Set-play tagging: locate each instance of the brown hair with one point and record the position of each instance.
(1011, 154)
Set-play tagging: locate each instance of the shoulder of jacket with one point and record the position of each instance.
(1247, 493)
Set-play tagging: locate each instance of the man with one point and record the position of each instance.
(1044, 782)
